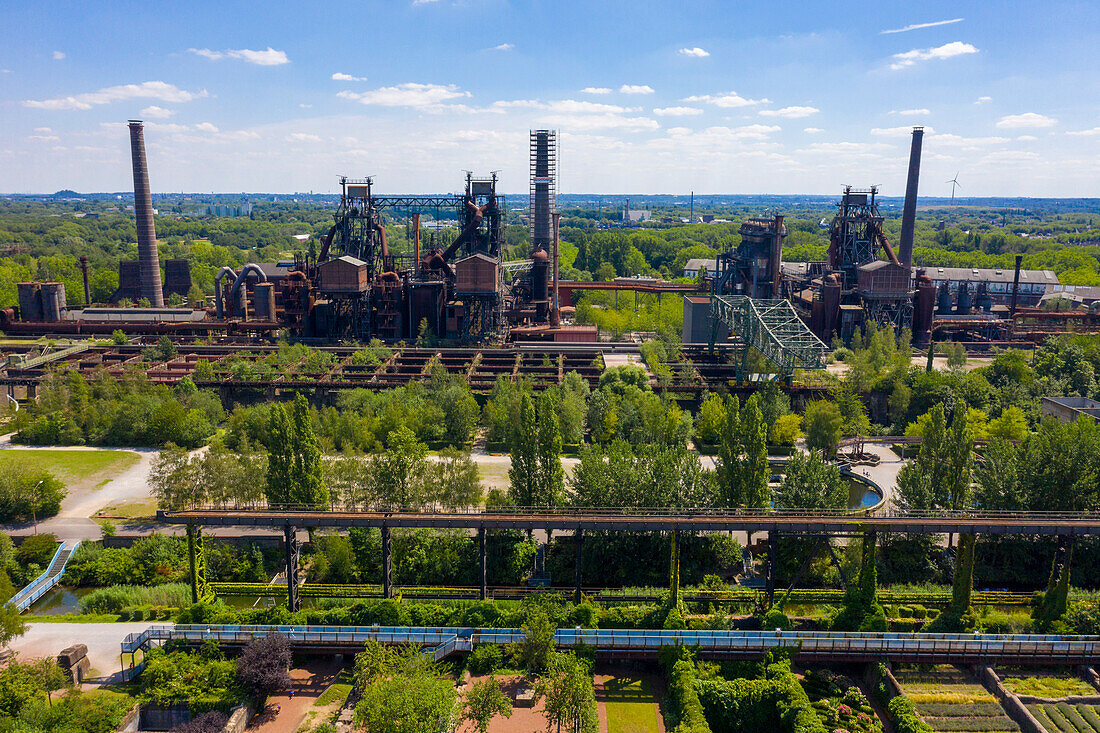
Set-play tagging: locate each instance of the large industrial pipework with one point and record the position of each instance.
(909, 213)
(143, 212)
(219, 295)
(239, 282)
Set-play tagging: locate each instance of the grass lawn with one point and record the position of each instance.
(336, 693)
(134, 510)
(630, 707)
(76, 469)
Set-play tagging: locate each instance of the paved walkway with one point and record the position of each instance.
(103, 640)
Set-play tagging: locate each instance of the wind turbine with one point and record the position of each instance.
(954, 182)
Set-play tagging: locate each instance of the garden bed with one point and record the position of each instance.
(1065, 717)
(950, 700)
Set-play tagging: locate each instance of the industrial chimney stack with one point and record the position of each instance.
(909, 214)
(143, 211)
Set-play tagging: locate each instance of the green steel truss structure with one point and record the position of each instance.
(772, 327)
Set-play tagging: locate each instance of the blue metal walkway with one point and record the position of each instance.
(38, 587)
(807, 645)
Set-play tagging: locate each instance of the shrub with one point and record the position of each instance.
(210, 722)
(264, 665)
(775, 619)
(905, 719)
(485, 659)
(38, 549)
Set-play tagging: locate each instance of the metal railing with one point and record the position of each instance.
(38, 587)
(574, 512)
(835, 644)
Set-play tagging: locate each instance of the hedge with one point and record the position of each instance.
(904, 717)
(686, 708)
(750, 706)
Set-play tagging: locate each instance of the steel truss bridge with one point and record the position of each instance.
(772, 327)
(807, 646)
(819, 523)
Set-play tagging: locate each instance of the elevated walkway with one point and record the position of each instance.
(806, 646)
(47, 580)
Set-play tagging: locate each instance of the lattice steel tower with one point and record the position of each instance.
(544, 175)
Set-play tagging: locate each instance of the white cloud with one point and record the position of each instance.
(1027, 119)
(983, 100)
(695, 52)
(609, 121)
(1028, 138)
(424, 2)
(911, 112)
(410, 94)
(158, 90)
(338, 76)
(303, 137)
(5, 71)
(565, 106)
(958, 141)
(157, 113)
(1093, 131)
(503, 47)
(44, 138)
(596, 90)
(897, 131)
(206, 127)
(677, 111)
(918, 26)
(270, 57)
(58, 55)
(790, 113)
(43, 130)
(813, 130)
(636, 89)
(946, 51)
(726, 100)
(303, 105)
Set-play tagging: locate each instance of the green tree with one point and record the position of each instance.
(550, 475)
(709, 422)
(568, 696)
(307, 483)
(534, 651)
(742, 466)
(524, 473)
(406, 703)
(485, 701)
(823, 425)
(12, 624)
(811, 483)
(280, 457)
(397, 475)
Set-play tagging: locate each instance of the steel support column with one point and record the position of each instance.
(293, 549)
(773, 558)
(387, 563)
(483, 574)
(578, 544)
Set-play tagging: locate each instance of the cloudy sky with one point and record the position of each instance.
(650, 97)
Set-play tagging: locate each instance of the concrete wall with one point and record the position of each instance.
(239, 718)
(1011, 703)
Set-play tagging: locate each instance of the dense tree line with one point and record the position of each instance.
(125, 411)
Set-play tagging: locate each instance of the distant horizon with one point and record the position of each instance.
(521, 195)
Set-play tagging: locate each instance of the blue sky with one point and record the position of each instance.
(716, 97)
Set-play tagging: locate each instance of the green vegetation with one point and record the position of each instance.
(28, 493)
(630, 706)
(128, 411)
(1065, 718)
(115, 598)
(949, 699)
(71, 467)
(1048, 685)
(36, 698)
